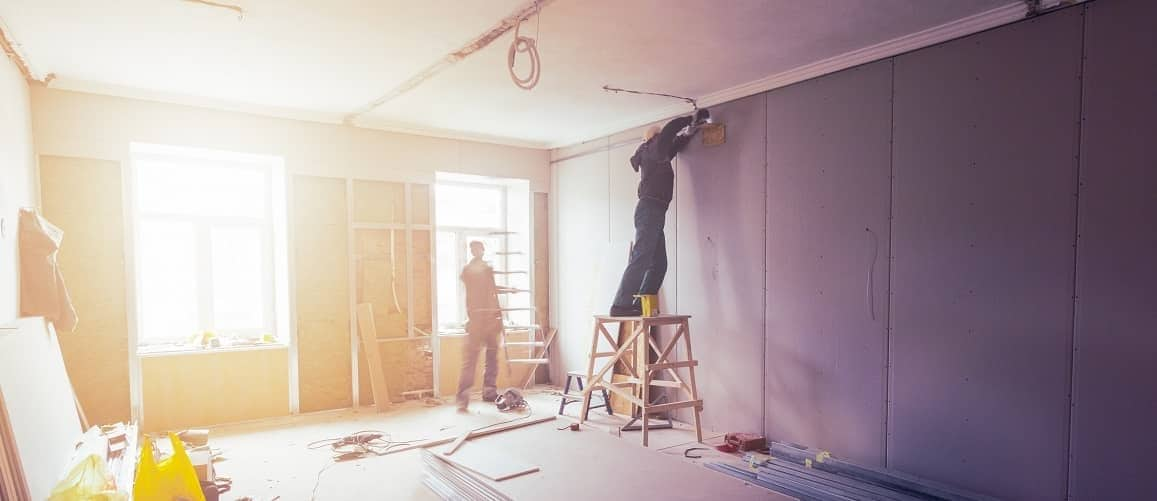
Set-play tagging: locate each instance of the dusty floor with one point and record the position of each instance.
(271, 459)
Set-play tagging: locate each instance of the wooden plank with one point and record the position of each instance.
(477, 433)
(457, 443)
(673, 365)
(491, 463)
(369, 335)
(655, 409)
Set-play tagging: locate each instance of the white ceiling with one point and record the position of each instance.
(323, 59)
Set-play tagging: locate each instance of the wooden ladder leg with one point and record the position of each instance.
(691, 373)
(645, 376)
(590, 374)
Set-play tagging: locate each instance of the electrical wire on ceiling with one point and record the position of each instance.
(523, 44)
(694, 104)
(235, 8)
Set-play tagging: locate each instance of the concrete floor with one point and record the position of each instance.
(271, 459)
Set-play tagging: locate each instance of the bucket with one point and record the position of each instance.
(650, 303)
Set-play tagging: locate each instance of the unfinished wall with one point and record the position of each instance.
(960, 359)
(100, 128)
(1114, 374)
(720, 243)
(83, 198)
(17, 178)
(985, 176)
(828, 162)
(321, 290)
(209, 388)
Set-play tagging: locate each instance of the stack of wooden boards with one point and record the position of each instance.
(542, 462)
(811, 474)
(39, 422)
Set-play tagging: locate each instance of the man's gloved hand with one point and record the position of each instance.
(702, 116)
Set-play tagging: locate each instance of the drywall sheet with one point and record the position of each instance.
(1115, 409)
(720, 276)
(984, 212)
(582, 243)
(321, 288)
(829, 156)
(39, 400)
(379, 202)
(188, 390)
(84, 198)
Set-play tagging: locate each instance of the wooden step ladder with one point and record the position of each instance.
(643, 372)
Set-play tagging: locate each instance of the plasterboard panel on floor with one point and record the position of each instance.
(828, 143)
(985, 174)
(583, 247)
(1113, 436)
(720, 280)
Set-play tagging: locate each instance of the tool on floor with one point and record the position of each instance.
(744, 442)
(509, 400)
(687, 452)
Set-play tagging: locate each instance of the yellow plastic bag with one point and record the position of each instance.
(88, 480)
(173, 478)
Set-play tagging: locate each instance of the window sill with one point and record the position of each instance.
(171, 351)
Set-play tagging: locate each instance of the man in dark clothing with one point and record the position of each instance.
(648, 261)
(483, 326)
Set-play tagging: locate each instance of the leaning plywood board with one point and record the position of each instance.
(39, 400)
(594, 465)
(369, 336)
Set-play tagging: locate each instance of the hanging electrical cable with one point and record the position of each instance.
(527, 45)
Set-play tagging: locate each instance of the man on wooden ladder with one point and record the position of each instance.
(648, 262)
(483, 326)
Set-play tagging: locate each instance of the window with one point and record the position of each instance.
(495, 212)
(209, 247)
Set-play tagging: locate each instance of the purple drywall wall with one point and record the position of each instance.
(985, 135)
(720, 205)
(828, 143)
(1114, 441)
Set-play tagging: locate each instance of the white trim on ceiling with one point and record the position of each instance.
(948, 31)
(89, 87)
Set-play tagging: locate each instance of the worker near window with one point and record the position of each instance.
(483, 326)
(648, 261)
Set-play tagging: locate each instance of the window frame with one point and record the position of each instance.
(204, 225)
(463, 235)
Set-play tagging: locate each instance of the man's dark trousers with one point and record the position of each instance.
(648, 264)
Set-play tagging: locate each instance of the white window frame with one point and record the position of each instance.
(141, 156)
(463, 235)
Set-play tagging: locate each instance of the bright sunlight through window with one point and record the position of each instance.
(209, 248)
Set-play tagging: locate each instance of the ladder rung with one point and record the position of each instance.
(525, 343)
(529, 361)
(522, 328)
(502, 233)
(514, 291)
(510, 272)
(602, 354)
(512, 253)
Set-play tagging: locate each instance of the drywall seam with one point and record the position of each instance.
(891, 236)
(766, 235)
(351, 287)
(1070, 480)
(952, 30)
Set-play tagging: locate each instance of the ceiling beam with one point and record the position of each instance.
(478, 43)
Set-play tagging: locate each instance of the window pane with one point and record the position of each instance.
(197, 189)
(448, 309)
(238, 261)
(469, 206)
(168, 277)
